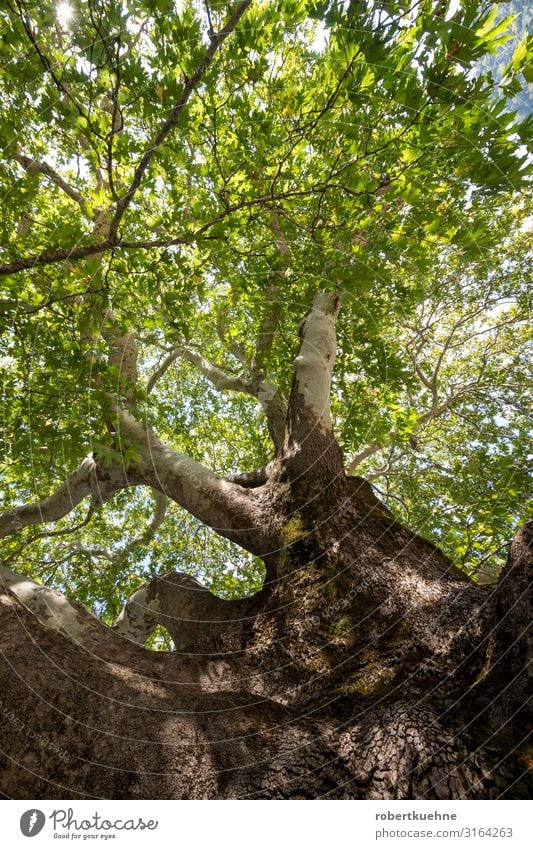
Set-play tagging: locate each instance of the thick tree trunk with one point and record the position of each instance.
(368, 667)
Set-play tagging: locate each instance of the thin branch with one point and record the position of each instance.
(161, 504)
(370, 449)
(85, 481)
(158, 518)
(52, 256)
(46, 534)
(219, 378)
(34, 167)
(269, 324)
(111, 242)
(267, 394)
(189, 86)
(122, 356)
(50, 66)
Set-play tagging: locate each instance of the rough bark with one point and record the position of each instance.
(364, 671)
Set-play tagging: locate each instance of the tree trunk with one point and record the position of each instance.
(368, 667)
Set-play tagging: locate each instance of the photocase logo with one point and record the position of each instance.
(31, 822)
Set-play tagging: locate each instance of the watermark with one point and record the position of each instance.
(32, 822)
(42, 740)
(66, 825)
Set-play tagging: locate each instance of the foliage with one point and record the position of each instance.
(343, 144)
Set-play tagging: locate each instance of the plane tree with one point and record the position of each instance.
(264, 381)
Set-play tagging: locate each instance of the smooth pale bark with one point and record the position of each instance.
(313, 368)
(275, 410)
(51, 608)
(227, 507)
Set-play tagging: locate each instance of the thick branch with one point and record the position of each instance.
(309, 405)
(275, 410)
(253, 479)
(267, 331)
(190, 612)
(220, 504)
(50, 607)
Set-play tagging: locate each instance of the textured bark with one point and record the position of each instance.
(368, 667)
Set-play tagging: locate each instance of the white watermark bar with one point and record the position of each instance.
(262, 825)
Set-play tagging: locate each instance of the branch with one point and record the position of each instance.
(434, 412)
(50, 66)
(218, 503)
(253, 479)
(432, 384)
(190, 612)
(275, 409)
(47, 534)
(161, 502)
(237, 349)
(86, 480)
(112, 242)
(267, 331)
(189, 86)
(122, 356)
(49, 606)
(219, 378)
(309, 404)
(33, 167)
(52, 256)
(370, 449)
(267, 394)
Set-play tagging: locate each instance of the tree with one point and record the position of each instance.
(247, 251)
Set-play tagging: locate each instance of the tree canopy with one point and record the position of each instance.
(179, 180)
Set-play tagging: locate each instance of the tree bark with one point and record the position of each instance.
(367, 667)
